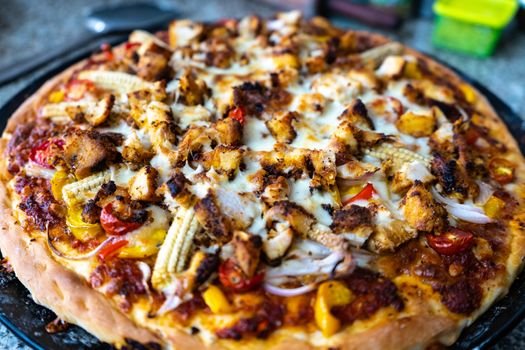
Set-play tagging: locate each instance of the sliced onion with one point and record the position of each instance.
(485, 192)
(464, 212)
(35, 170)
(89, 255)
(289, 292)
(303, 267)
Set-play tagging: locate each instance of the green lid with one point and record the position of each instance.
(491, 13)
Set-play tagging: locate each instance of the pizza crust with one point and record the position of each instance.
(72, 299)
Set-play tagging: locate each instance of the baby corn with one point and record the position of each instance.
(388, 151)
(79, 191)
(117, 81)
(174, 251)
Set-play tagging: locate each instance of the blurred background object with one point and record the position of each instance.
(28, 27)
(472, 26)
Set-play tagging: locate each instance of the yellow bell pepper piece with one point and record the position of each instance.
(493, 206)
(330, 294)
(216, 300)
(80, 229)
(59, 180)
(56, 96)
(143, 243)
(468, 92)
(411, 70)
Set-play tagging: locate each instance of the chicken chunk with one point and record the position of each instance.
(87, 152)
(387, 238)
(229, 132)
(211, 218)
(143, 185)
(421, 211)
(281, 127)
(247, 250)
(192, 91)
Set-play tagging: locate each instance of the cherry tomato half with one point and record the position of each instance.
(232, 277)
(452, 242)
(365, 194)
(111, 248)
(501, 170)
(115, 226)
(238, 114)
(42, 153)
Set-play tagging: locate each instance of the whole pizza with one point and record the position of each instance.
(262, 184)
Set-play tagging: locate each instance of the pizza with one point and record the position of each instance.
(262, 184)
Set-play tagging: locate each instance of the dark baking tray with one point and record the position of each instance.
(27, 320)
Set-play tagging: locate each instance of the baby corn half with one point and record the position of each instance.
(397, 154)
(176, 247)
(117, 81)
(79, 191)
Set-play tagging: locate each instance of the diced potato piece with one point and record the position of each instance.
(417, 125)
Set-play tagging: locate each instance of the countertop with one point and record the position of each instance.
(29, 27)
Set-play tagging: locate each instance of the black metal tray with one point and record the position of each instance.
(27, 320)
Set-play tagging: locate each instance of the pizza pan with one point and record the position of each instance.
(20, 314)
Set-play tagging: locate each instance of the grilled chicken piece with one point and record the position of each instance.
(224, 159)
(343, 142)
(87, 151)
(299, 219)
(355, 170)
(357, 115)
(276, 190)
(281, 126)
(153, 62)
(387, 238)
(278, 241)
(421, 211)
(134, 151)
(229, 132)
(408, 174)
(247, 250)
(192, 90)
(325, 170)
(353, 222)
(453, 177)
(143, 185)
(211, 218)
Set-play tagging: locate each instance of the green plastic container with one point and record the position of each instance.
(471, 26)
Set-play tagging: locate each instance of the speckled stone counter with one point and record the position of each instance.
(28, 27)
